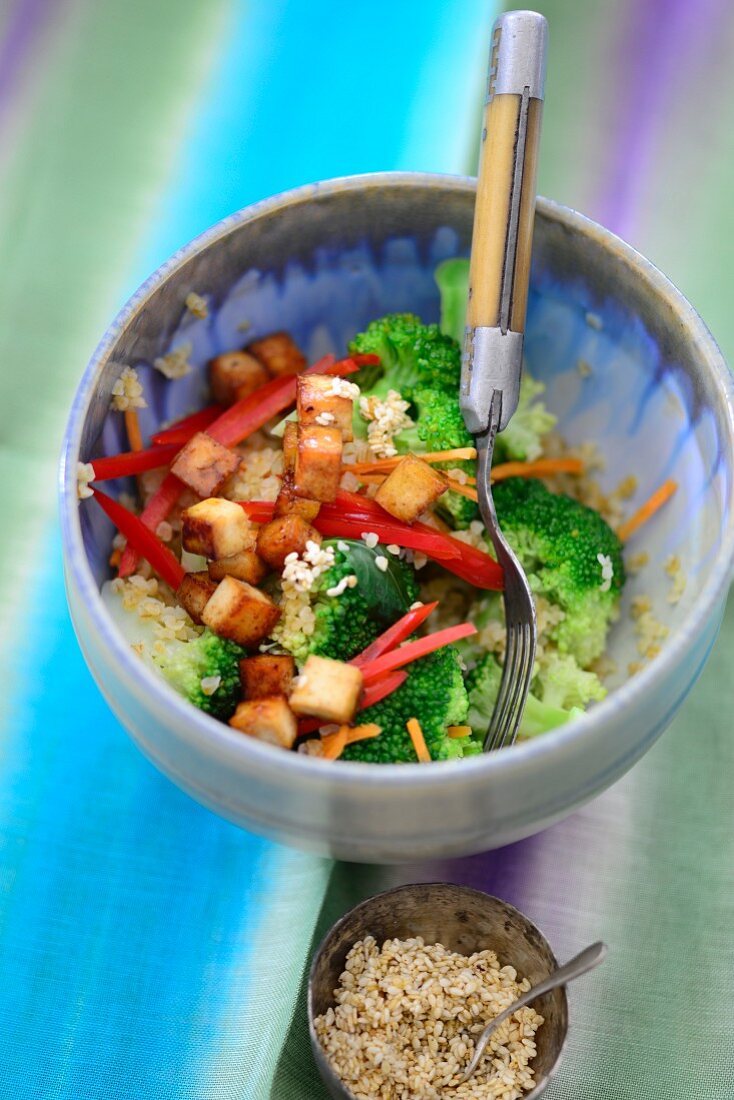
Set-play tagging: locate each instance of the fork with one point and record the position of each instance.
(499, 276)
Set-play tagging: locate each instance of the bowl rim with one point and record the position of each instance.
(320, 1055)
(216, 737)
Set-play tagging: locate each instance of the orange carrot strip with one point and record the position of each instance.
(334, 744)
(542, 467)
(648, 509)
(132, 427)
(419, 741)
(462, 490)
(459, 454)
(362, 733)
(458, 731)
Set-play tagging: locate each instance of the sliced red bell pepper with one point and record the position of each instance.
(411, 651)
(133, 462)
(181, 430)
(155, 511)
(349, 528)
(394, 634)
(372, 694)
(142, 539)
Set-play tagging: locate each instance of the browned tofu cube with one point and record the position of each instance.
(410, 488)
(283, 536)
(269, 719)
(194, 592)
(204, 465)
(278, 353)
(287, 502)
(327, 689)
(290, 447)
(245, 566)
(240, 612)
(216, 528)
(318, 463)
(266, 675)
(318, 404)
(234, 375)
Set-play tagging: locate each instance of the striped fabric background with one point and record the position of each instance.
(148, 949)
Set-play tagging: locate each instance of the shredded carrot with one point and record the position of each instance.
(463, 490)
(385, 465)
(458, 731)
(333, 744)
(132, 427)
(115, 557)
(419, 742)
(648, 509)
(542, 467)
(369, 479)
(362, 733)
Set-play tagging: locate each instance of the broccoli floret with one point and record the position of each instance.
(452, 277)
(186, 664)
(522, 439)
(559, 541)
(561, 683)
(412, 355)
(483, 683)
(435, 694)
(344, 625)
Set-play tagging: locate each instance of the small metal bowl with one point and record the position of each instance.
(463, 920)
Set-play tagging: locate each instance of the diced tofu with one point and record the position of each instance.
(245, 566)
(317, 404)
(290, 447)
(240, 612)
(266, 675)
(216, 528)
(278, 353)
(327, 689)
(194, 592)
(269, 719)
(318, 463)
(234, 375)
(410, 488)
(287, 502)
(204, 465)
(283, 536)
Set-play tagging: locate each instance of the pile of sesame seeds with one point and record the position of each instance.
(407, 1016)
(387, 416)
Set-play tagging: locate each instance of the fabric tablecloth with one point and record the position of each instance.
(147, 948)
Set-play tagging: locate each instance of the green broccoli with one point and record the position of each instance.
(522, 439)
(207, 657)
(482, 684)
(346, 624)
(435, 694)
(561, 683)
(560, 543)
(452, 277)
(412, 355)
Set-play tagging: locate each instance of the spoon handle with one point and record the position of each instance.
(580, 964)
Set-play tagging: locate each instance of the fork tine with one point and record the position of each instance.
(497, 723)
(524, 673)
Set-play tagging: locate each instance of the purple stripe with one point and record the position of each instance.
(662, 49)
(27, 23)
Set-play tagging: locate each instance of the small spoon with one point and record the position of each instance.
(586, 960)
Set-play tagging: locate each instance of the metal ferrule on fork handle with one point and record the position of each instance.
(503, 223)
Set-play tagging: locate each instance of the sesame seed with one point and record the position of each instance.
(382, 563)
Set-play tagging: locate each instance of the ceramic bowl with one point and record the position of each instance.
(656, 397)
(463, 920)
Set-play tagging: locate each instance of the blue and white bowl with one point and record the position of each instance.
(320, 262)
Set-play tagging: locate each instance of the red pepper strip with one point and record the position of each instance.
(394, 634)
(373, 693)
(348, 528)
(133, 462)
(411, 651)
(142, 539)
(235, 424)
(181, 430)
(156, 510)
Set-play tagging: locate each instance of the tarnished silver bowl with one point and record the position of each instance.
(461, 919)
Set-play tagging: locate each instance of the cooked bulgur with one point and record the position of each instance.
(406, 1018)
